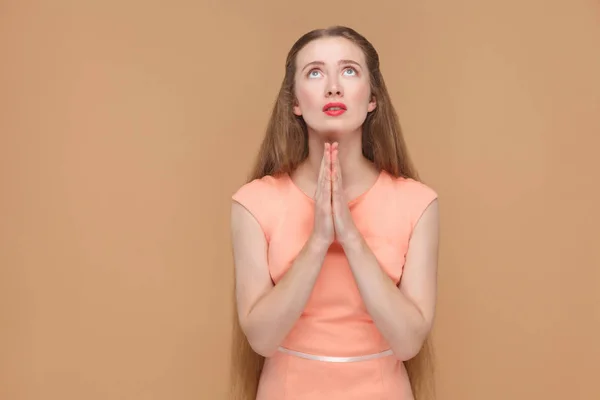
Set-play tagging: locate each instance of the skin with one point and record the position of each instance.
(335, 172)
(334, 81)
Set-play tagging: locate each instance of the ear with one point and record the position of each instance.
(372, 104)
(296, 109)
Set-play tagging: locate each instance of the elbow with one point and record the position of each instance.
(258, 339)
(262, 349)
(261, 343)
(409, 349)
(406, 353)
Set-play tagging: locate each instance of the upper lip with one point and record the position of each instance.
(329, 105)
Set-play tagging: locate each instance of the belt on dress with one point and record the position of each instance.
(335, 359)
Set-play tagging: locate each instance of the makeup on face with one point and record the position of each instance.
(334, 109)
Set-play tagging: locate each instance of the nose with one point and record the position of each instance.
(334, 89)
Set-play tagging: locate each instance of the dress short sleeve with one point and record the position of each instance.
(420, 197)
(258, 197)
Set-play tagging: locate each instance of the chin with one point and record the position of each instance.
(332, 133)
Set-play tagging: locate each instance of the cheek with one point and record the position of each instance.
(362, 94)
(307, 97)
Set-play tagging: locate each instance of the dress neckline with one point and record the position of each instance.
(351, 202)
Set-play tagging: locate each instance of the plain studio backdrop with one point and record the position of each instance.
(126, 125)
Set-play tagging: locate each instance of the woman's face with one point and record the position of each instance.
(332, 86)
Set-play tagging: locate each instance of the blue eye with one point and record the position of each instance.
(350, 69)
(311, 73)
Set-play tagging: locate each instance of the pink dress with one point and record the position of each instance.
(335, 322)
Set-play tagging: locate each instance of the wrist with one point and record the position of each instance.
(353, 240)
(318, 245)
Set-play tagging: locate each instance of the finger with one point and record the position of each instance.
(332, 156)
(324, 162)
(322, 172)
(326, 184)
(328, 177)
(336, 170)
(328, 180)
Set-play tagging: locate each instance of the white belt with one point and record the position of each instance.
(335, 359)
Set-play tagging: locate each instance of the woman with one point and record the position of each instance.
(335, 240)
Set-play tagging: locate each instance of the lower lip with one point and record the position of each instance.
(334, 113)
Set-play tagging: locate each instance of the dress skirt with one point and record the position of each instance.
(289, 377)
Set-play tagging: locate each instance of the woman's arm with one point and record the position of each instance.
(404, 314)
(268, 312)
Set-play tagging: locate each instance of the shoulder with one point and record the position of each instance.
(413, 196)
(262, 198)
(414, 189)
(407, 189)
(259, 188)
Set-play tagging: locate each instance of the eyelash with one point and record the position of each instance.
(345, 68)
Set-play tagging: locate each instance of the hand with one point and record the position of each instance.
(345, 229)
(323, 230)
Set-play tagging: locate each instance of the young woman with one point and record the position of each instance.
(335, 239)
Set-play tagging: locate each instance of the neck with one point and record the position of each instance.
(353, 164)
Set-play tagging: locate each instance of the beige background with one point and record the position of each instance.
(126, 125)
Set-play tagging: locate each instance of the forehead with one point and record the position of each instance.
(330, 50)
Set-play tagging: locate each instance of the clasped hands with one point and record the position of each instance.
(333, 220)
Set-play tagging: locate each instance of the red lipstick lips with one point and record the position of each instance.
(334, 109)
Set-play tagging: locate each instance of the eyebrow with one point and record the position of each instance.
(339, 62)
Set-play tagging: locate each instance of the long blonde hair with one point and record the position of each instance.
(284, 147)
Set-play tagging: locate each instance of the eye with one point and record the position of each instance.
(352, 70)
(312, 73)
